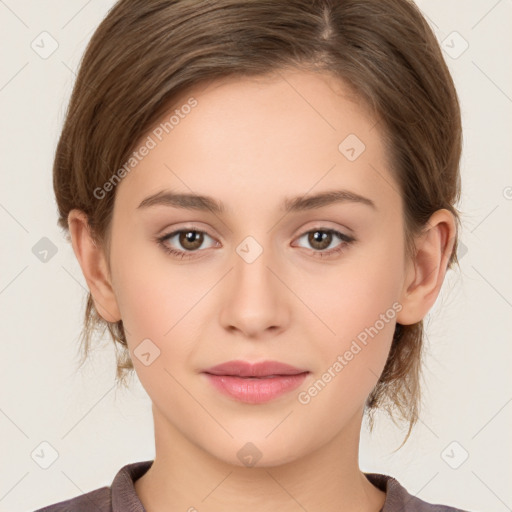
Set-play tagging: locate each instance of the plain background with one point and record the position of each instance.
(96, 429)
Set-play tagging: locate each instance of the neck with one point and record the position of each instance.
(185, 477)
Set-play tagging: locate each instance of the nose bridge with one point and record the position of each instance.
(251, 268)
(255, 301)
(252, 275)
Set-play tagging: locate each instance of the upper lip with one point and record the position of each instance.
(246, 369)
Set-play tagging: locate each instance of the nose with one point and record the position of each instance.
(255, 301)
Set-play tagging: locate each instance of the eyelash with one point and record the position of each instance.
(346, 239)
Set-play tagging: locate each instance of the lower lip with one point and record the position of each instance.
(256, 391)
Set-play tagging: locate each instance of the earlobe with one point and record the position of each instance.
(92, 260)
(425, 274)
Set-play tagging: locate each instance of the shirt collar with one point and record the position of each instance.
(125, 499)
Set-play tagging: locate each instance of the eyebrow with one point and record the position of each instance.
(291, 204)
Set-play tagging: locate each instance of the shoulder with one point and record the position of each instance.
(98, 500)
(398, 498)
(120, 496)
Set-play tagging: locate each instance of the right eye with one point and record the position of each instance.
(190, 239)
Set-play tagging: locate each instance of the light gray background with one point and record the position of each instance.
(96, 429)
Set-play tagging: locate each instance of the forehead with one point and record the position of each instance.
(292, 132)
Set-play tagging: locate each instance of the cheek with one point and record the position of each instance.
(160, 302)
(152, 293)
(351, 297)
(350, 363)
(358, 305)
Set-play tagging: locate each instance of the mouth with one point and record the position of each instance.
(255, 383)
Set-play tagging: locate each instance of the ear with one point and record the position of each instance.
(425, 273)
(94, 266)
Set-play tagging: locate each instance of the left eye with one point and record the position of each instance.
(320, 239)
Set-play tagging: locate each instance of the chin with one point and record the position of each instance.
(255, 451)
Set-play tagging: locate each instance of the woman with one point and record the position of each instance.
(261, 196)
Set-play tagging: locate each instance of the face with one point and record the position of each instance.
(271, 275)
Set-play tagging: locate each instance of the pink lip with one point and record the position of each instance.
(255, 383)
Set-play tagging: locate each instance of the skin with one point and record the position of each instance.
(250, 143)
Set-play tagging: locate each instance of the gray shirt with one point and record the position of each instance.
(121, 495)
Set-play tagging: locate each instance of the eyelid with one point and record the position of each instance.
(322, 226)
(171, 234)
(325, 225)
(345, 242)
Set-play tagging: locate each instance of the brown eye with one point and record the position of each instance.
(320, 240)
(191, 240)
(184, 243)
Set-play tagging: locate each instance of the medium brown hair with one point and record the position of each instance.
(147, 52)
